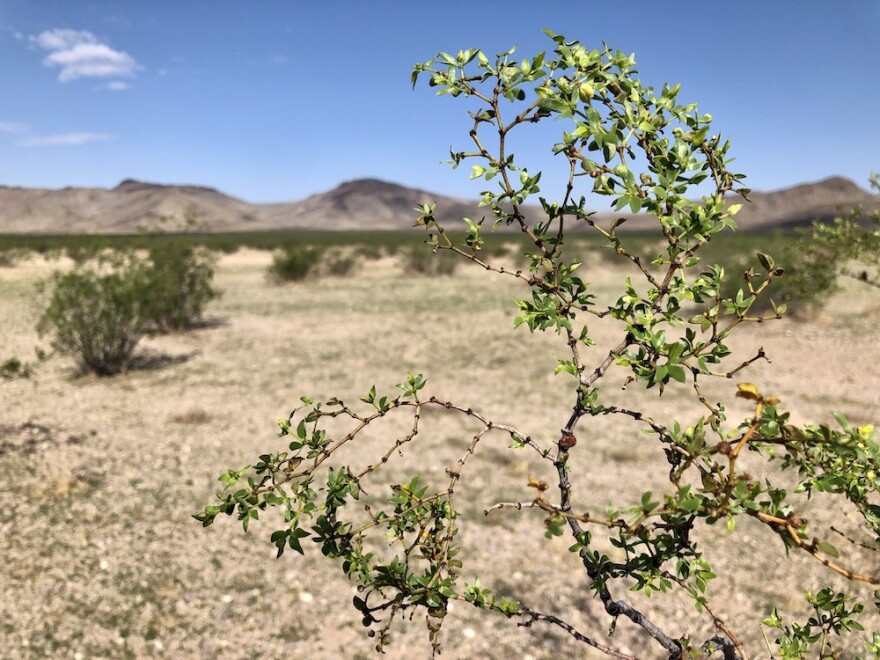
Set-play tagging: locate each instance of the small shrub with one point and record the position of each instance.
(13, 368)
(97, 313)
(368, 251)
(194, 416)
(807, 282)
(813, 262)
(419, 260)
(339, 264)
(178, 285)
(11, 257)
(87, 248)
(499, 249)
(294, 263)
(225, 245)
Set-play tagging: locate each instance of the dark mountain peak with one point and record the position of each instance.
(834, 185)
(134, 185)
(367, 187)
(838, 184)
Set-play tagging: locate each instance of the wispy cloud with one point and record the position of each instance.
(79, 54)
(12, 127)
(117, 86)
(63, 139)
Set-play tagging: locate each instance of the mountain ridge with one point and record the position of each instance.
(363, 204)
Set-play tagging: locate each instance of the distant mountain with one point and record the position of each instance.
(800, 205)
(362, 204)
(365, 204)
(783, 210)
(124, 209)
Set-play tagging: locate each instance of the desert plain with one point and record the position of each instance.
(101, 476)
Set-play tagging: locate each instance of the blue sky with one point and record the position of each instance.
(273, 100)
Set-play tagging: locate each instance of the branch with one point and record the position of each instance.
(786, 527)
(567, 627)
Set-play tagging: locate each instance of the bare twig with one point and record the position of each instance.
(533, 616)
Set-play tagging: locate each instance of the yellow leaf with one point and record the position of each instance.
(771, 400)
(541, 486)
(748, 391)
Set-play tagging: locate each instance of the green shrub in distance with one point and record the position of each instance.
(97, 313)
(294, 263)
(419, 260)
(178, 285)
(848, 246)
(11, 257)
(87, 248)
(369, 251)
(339, 263)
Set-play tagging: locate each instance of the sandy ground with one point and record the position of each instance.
(100, 477)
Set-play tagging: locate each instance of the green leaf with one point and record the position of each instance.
(676, 372)
(765, 261)
(842, 420)
(294, 538)
(828, 549)
(647, 504)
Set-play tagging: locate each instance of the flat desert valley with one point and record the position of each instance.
(101, 476)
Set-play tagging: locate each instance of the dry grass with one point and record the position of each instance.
(102, 558)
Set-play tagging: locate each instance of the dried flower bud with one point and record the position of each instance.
(567, 441)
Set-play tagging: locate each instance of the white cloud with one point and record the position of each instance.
(117, 86)
(12, 127)
(63, 139)
(79, 54)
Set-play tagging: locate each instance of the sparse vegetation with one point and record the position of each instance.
(418, 261)
(178, 285)
(849, 246)
(13, 368)
(399, 538)
(339, 263)
(11, 257)
(294, 263)
(97, 312)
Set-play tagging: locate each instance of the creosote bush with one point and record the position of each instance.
(11, 257)
(339, 263)
(178, 285)
(418, 261)
(97, 312)
(645, 151)
(848, 246)
(294, 263)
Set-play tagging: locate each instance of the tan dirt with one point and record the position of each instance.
(101, 557)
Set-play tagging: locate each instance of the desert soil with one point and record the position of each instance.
(100, 476)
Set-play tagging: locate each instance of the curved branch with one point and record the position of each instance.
(534, 616)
